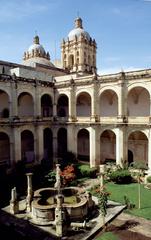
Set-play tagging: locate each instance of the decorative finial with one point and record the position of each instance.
(36, 38)
(78, 22)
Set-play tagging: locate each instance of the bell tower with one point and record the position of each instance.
(78, 52)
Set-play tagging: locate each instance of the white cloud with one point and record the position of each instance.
(16, 10)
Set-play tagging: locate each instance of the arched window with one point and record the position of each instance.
(71, 61)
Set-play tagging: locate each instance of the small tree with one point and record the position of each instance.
(103, 198)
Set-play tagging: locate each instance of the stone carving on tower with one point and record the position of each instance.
(79, 51)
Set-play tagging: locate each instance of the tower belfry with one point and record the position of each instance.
(79, 50)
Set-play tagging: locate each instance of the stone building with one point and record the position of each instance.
(46, 110)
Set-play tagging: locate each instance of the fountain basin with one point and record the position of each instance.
(75, 204)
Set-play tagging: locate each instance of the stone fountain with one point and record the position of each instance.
(57, 212)
(63, 208)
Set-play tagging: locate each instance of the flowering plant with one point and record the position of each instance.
(68, 174)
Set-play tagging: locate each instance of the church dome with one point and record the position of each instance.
(78, 31)
(36, 54)
(36, 47)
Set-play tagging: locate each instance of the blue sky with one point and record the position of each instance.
(121, 28)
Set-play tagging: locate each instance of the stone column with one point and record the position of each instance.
(55, 146)
(37, 101)
(150, 108)
(122, 99)
(102, 172)
(149, 153)
(39, 143)
(59, 217)
(14, 205)
(121, 146)
(29, 192)
(94, 147)
(72, 103)
(17, 144)
(13, 102)
(54, 104)
(94, 102)
(72, 141)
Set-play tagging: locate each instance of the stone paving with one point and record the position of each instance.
(23, 225)
(140, 225)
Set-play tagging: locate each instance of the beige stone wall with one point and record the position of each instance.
(116, 103)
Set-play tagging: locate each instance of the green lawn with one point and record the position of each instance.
(107, 236)
(131, 191)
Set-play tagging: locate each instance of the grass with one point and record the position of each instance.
(118, 191)
(107, 236)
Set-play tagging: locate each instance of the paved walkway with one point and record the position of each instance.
(136, 224)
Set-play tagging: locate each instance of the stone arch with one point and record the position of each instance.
(83, 104)
(108, 146)
(138, 102)
(25, 105)
(83, 145)
(4, 149)
(62, 142)
(46, 105)
(138, 145)
(27, 146)
(4, 104)
(62, 106)
(108, 103)
(48, 146)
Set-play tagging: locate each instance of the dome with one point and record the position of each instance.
(78, 30)
(36, 47)
(36, 54)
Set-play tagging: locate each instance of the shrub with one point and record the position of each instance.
(121, 176)
(51, 177)
(149, 179)
(85, 171)
(139, 165)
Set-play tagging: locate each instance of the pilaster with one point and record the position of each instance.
(94, 147)
(13, 103)
(37, 101)
(72, 104)
(94, 103)
(17, 144)
(121, 146)
(39, 143)
(149, 152)
(71, 139)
